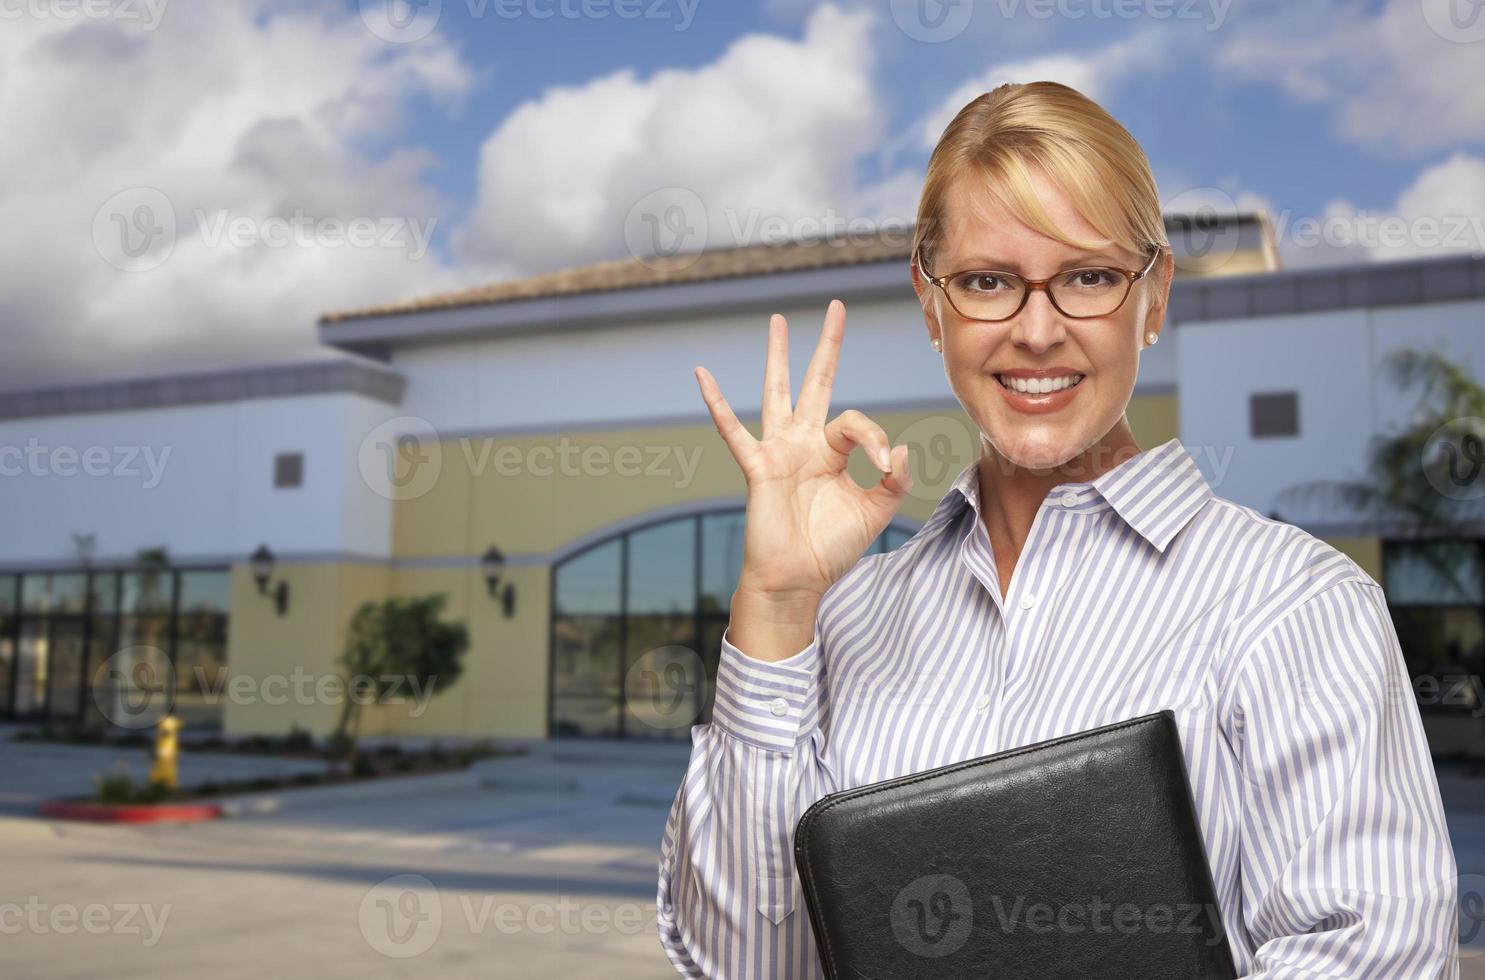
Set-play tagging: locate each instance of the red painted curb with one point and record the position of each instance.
(131, 812)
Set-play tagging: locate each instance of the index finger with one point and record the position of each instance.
(819, 377)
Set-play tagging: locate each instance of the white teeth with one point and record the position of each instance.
(1039, 386)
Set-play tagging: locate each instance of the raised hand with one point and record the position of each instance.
(807, 521)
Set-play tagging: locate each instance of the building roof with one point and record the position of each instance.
(1368, 285)
(312, 377)
(1248, 233)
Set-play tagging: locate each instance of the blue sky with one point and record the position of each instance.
(484, 139)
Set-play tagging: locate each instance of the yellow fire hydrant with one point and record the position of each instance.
(167, 752)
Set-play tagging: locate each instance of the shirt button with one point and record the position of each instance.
(1069, 499)
(1027, 601)
(778, 706)
(982, 702)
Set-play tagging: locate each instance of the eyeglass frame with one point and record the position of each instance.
(1033, 285)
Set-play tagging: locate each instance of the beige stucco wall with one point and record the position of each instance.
(513, 492)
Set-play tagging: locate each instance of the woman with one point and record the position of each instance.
(1068, 580)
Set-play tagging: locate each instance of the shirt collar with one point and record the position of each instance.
(1156, 492)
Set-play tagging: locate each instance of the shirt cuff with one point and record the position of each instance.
(770, 705)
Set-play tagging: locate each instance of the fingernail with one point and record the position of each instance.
(884, 460)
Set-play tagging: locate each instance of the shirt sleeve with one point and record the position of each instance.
(1347, 869)
(727, 899)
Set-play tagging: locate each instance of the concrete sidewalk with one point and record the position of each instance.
(535, 866)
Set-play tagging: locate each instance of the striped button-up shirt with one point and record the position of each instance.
(1135, 591)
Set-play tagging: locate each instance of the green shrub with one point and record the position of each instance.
(120, 788)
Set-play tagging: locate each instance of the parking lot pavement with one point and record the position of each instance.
(547, 869)
(475, 883)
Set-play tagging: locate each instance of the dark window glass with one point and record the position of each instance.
(64, 667)
(7, 660)
(585, 655)
(662, 677)
(205, 592)
(200, 669)
(130, 687)
(589, 583)
(1448, 644)
(288, 470)
(1433, 573)
(662, 568)
(585, 716)
(8, 586)
(721, 559)
(1274, 414)
(30, 678)
(102, 645)
(711, 653)
(148, 591)
(44, 592)
(145, 631)
(105, 592)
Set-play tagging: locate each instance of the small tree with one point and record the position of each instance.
(1407, 466)
(390, 645)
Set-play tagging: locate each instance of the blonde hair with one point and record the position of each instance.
(1006, 133)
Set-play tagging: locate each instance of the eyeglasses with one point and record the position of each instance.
(1081, 294)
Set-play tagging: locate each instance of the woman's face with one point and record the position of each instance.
(1105, 351)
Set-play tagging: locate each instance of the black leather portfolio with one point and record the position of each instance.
(1077, 857)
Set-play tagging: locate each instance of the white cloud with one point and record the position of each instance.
(1097, 74)
(765, 139)
(1441, 212)
(1392, 80)
(254, 110)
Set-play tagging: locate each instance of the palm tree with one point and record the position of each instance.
(1425, 481)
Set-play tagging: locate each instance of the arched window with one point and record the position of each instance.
(644, 611)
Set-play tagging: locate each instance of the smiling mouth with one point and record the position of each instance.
(1040, 386)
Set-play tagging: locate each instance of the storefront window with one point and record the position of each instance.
(1436, 594)
(65, 635)
(644, 612)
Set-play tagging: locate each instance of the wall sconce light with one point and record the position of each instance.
(262, 563)
(491, 564)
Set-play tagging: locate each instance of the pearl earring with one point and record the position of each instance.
(1151, 337)
(938, 345)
